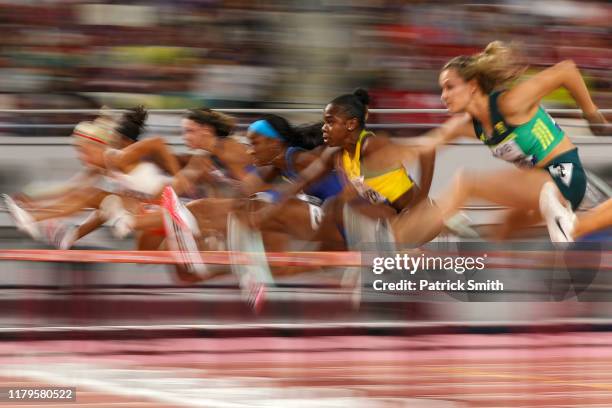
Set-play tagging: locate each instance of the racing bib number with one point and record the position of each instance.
(367, 192)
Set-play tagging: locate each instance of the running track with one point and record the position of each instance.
(499, 370)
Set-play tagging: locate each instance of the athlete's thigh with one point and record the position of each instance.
(518, 188)
(211, 213)
(419, 224)
(515, 220)
(297, 218)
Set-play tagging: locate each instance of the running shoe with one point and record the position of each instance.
(560, 220)
(59, 234)
(178, 211)
(22, 219)
(253, 273)
(181, 229)
(460, 224)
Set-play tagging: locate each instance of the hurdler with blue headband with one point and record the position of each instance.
(264, 128)
(288, 150)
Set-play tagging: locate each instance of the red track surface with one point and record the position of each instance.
(517, 370)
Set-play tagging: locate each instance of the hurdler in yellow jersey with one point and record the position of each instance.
(390, 202)
(392, 208)
(378, 188)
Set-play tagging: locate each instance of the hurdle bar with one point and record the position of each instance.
(498, 259)
(313, 259)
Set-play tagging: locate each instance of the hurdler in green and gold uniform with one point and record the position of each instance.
(530, 144)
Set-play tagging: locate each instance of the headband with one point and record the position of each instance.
(264, 128)
(94, 132)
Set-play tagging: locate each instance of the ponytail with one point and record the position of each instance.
(493, 68)
(132, 123)
(306, 136)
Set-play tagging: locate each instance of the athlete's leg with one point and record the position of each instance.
(330, 232)
(515, 220)
(277, 230)
(33, 203)
(293, 219)
(514, 188)
(148, 241)
(87, 198)
(598, 218)
(211, 213)
(92, 223)
(297, 219)
(519, 189)
(419, 224)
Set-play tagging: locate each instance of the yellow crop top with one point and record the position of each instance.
(381, 188)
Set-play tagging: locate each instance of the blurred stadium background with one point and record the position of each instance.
(200, 346)
(74, 54)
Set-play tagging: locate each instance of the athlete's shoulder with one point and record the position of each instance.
(509, 104)
(373, 142)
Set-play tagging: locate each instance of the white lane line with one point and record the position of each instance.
(85, 376)
(188, 391)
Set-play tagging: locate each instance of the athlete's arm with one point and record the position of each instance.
(258, 180)
(522, 97)
(382, 154)
(236, 157)
(427, 163)
(198, 169)
(315, 171)
(318, 169)
(155, 147)
(457, 126)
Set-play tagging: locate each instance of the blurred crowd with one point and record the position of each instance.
(277, 53)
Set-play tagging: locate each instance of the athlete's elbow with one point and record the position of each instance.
(157, 141)
(567, 65)
(427, 152)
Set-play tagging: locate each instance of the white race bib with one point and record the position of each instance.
(366, 191)
(511, 152)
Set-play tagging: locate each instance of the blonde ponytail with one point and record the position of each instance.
(493, 68)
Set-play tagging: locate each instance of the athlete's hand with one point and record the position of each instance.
(597, 123)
